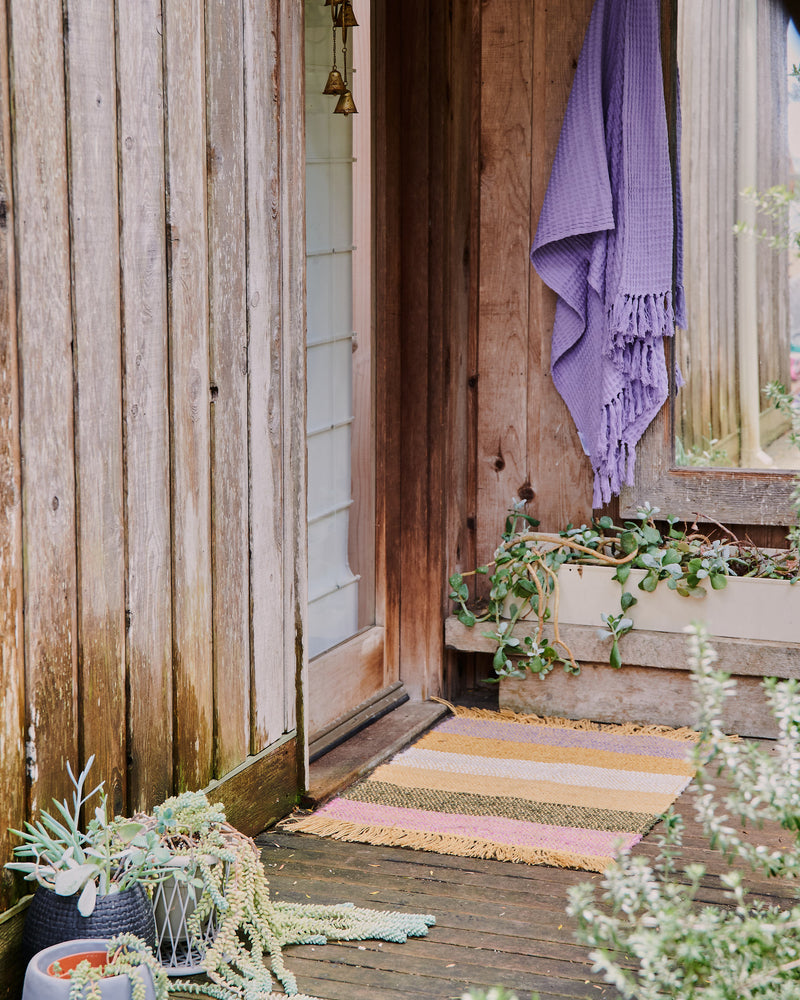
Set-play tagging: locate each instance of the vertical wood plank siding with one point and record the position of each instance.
(187, 249)
(12, 677)
(262, 169)
(293, 389)
(94, 226)
(227, 234)
(45, 339)
(152, 399)
(143, 267)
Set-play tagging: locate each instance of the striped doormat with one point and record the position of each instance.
(516, 788)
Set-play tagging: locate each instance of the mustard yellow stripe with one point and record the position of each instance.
(653, 803)
(505, 749)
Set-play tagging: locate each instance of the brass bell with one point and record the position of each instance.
(345, 18)
(346, 105)
(335, 84)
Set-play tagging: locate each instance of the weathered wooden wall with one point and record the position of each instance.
(473, 420)
(526, 442)
(152, 394)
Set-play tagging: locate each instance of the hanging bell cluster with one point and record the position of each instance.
(342, 18)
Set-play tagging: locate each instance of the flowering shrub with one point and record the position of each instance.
(650, 934)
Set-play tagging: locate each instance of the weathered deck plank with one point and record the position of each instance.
(497, 923)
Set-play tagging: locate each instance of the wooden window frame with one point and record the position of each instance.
(736, 496)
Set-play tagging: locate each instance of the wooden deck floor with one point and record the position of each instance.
(497, 923)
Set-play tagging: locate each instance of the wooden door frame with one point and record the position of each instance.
(426, 90)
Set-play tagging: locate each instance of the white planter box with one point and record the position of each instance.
(746, 609)
(754, 627)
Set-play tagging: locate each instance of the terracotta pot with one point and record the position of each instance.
(96, 959)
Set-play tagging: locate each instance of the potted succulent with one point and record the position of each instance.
(90, 882)
(184, 825)
(229, 886)
(122, 968)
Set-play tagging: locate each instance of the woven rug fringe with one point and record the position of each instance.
(684, 734)
(464, 847)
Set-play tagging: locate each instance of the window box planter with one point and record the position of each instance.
(748, 608)
(755, 629)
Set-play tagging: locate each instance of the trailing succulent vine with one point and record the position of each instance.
(126, 955)
(246, 955)
(523, 579)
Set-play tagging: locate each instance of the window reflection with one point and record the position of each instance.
(740, 164)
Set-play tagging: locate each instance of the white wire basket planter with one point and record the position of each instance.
(180, 948)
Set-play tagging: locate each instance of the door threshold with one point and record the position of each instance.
(370, 746)
(359, 718)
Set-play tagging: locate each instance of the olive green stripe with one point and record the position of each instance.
(470, 804)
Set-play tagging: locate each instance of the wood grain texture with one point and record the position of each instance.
(262, 167)
(143, 259)
(227, 259)
(184, 81)
(293, 360)
(462, 49)
(46, 405)
(419, 360)
(495, 922)
(12, 968)
(261, 790)
(560, 473)
(660, 650)
(387, 136)
(12, 668)
(94, 220)
(637, 694)
(505, 237)
(344, 677)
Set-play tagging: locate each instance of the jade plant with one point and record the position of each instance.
(523, 579)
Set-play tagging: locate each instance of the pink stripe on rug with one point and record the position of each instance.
(595, 843)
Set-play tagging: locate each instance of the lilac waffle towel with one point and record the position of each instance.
(606, 242)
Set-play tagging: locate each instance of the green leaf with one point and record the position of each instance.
(649, 583)
(613, 657)
(623, 572)
(128, 831)
(627, 601)
(87, 899)
(628, 542)
(718, 581)
(466, 618)
(651, 535)
(68, 881)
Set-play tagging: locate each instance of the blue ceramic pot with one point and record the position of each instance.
(52, 918)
